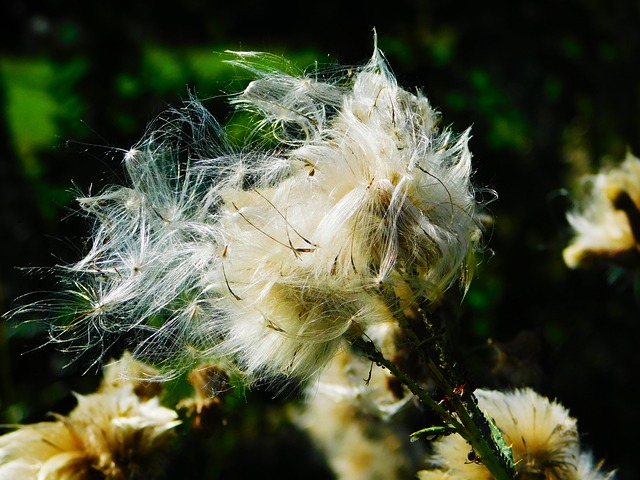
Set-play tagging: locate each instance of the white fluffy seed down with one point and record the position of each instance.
(273, 257)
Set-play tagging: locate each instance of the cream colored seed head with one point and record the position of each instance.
(542, 435)
(113, 433)
(273, 257)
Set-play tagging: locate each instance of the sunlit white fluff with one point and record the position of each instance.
(388, 189)
(275, 256)
(350, 380)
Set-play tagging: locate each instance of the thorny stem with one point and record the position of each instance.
(476, 429)
(368, 347)
(468, 421)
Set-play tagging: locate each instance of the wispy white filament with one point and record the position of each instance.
(274, 257)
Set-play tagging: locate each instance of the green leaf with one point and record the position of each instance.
(431, 433)
(504, 449)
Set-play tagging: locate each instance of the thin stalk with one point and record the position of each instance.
(368, 347)
(468, 421)
(476, 429)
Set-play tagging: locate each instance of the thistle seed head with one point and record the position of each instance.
(275, 256)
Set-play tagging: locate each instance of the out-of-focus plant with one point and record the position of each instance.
(606, 219)
(121, 432)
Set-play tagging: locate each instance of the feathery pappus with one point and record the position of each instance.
(273, 256)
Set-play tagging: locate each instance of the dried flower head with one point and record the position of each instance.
(113, 434)
(607, 220)
(275, 256)
(542, 435)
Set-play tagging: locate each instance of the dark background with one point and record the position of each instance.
(551, 89)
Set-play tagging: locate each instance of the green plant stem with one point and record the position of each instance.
(468, 421)
(368, 347)
(476, 427)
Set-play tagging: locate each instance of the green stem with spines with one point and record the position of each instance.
(469, 422)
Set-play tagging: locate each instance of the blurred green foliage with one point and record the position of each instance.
(550, 89)
(39, 97)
